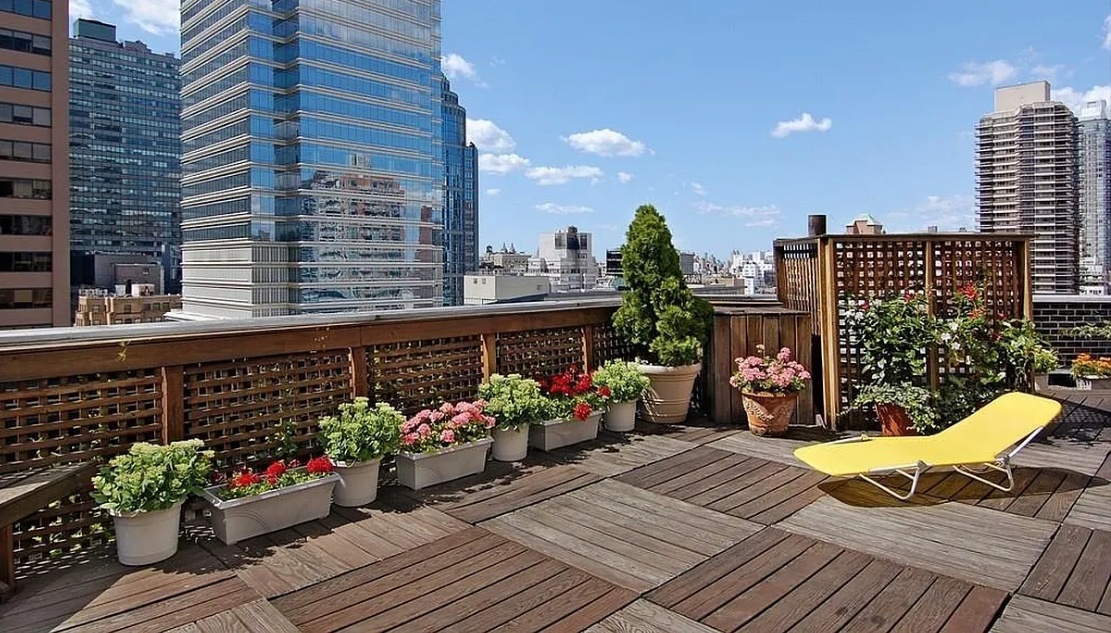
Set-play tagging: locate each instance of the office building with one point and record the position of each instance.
(123, 306)
(567, 259)
(460, 197)
(1026, 180)
(312, 165)
(125, 155)
(480, 290)
(34, 164)
(1095, 197)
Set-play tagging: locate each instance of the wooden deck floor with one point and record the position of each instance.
(670, 529)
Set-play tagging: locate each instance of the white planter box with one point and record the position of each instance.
(358, 483)
(236, 519)
(511, 445)
(143, 538)
(420, 470)
(553, 434)
(621, 417)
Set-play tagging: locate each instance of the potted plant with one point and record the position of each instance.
(1045, 360)
(283, 495)
(143, 491)
(356, 440)
(621, 383)
(516, 403)
(769, 388)
(1092, 373)
(576, 407)
(443, 444)
(660, 318)
(901, 409)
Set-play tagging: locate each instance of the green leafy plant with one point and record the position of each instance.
(360, 432)
(620, 381)
(892, 334)
(1045, 360)
(151, 477)
(659, 315)
(514, 401)
(1093, 330)
(916, 401)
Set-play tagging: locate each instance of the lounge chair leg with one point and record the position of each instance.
(913, 484)
(1005, 468)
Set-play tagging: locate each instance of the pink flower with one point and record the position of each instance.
(447, 436)
(437, 416)
(784, 355)
(424, 430)
(461, 419)
(409, 439)
(446, 408)
(409, 425)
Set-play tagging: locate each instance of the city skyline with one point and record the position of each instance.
(887, 134)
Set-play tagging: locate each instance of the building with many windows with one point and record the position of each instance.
(125, 155)
(312, 165)
(566, 258)
(34, 164)
(1095, 198)
(460, 198)
(1026, 180)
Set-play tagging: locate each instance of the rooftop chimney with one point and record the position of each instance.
(817, 225)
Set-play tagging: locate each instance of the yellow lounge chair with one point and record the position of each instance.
(981, 439)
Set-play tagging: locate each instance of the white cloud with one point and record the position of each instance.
(1075, 99)
(625, 177)
(1107, 32)
(493, 192)
(698, 189)
(753, 216)
(80, 9)
(562, 175)
(488, 136)
(947, 213)
(158, 17)
(497, 61)
(501, 164)
(562, 209)
(606, 142)
(980, 73)
(455, 66)
(1047, 72)
(804, 123)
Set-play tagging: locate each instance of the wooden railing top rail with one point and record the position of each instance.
(905, 237)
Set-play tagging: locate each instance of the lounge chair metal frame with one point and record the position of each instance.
(1001, 464)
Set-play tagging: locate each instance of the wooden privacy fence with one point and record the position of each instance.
(247, 388)
(816, 274)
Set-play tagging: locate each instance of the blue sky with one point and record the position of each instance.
(736, 118)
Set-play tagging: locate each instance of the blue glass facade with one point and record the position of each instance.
(125, 152)
(312, 173)
(460, 198)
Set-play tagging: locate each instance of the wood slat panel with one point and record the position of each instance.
(1030, 615)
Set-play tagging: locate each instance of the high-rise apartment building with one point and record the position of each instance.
(460, 198)
(34, 164)
(125, 156)
(567, 259)
(1026, 180)
(312, 166)
(1095, 198)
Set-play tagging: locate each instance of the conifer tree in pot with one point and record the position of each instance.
(660, 318)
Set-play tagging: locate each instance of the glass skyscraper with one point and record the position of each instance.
(312, 172)
(1095, 197)
(125, 153)
(460, 198)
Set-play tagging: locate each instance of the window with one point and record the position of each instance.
(24, 42)
(24, 188)
(25, 262)
(25, 298)
(24, 115)
(25, 225)
(25, 78)
(25, 151)
(30, 8)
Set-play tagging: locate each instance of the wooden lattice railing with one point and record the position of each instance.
(251, 388)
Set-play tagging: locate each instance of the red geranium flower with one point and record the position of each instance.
(605, 392)
(245, 479)
(969, 291)
(319, 465)
(275, 471)
(582, 411)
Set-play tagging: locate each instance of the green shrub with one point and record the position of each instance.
(360, 432)
(514, 401)
(151, 477)
(659, 317)
(623, 380)
(916, 401)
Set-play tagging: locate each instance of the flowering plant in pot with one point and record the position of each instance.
(250, 503)
(624, 384)
(909, 408)
(1045, 360)
(143, 490)
(443, 444)
(516, 403)
(666, 326)
(1092, 373)
(576, 407)
(356, 440)
(769, 387)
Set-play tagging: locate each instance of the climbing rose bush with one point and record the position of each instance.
(451, 424)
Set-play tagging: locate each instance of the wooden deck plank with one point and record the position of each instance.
(1030, 615)
(602, 607)
(609, 458)
(1090, 578)
(812, 592)
(1052, 571)
(768, 499)
(668, 469)
(889, 607)
(520, 603)
(934, 608)
(1093, 507)
(261, 617)
(847, 601)
(779, 449)
(549, 483)
(728, 466)
(558, 607)
(1060, 503)
(1082, 457)
(643, 616)
(729, 482)
(731, 528)
(977, 610)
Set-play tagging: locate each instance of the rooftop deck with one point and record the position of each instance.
(693, 528)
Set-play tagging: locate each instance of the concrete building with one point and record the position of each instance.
(140, 305)
(686, 263)
(1026, 180)
(1095, 198)
(507, 261)
(864, 225)
(125, 155)
(313, 157)
(460, 239)
(34, 164)
(567, 259)
(613, 262)
(481, 290)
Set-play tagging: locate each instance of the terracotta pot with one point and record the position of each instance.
(769, 414)
(668, 399)
(894, 420)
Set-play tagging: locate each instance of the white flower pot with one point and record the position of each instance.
(552, 434)
(621, 416)
(420, 470)
(1041, 383)
(668, 399)
(1093, 382)
(143, 538)
(511, 445)
(358, 483)
(234, 520)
